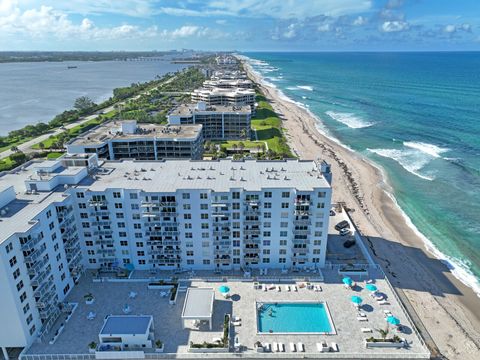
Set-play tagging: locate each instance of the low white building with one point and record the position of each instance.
(226, 97)
(125, 332)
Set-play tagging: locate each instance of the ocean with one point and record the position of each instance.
(416, 115)
(37, 91)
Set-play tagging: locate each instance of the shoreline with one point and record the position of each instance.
(447, 307)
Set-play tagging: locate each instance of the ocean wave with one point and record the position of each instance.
(460, 269)
(305, 87)
(430, 149)
(410, 159)
(351, 120)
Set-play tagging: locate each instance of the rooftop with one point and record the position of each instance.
(112, 131)
(223, 92)
(190, 109)
(126, 324)
(220, 175)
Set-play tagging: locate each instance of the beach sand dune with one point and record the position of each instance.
(449, 310)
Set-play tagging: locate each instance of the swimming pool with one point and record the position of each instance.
(294, 317)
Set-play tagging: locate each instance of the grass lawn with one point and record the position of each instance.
(54, 155)
(6, 164)
(16, 143)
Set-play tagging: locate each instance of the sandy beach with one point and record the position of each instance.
(449, 310)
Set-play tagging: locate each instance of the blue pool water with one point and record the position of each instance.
(293, 318)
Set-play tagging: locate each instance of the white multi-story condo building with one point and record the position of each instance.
(229, 75)
(127, 140)
(60, 217)
(219, 122)
(232, 97)
(228, 84)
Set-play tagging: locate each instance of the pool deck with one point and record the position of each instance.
(110, 298)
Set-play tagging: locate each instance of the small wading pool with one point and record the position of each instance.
(294, 317)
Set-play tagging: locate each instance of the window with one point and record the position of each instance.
(141, 262)
(284, 224)
(285, 194)
(134, 206)
(282, 260)
(63, 276)
(16, 273)
(20, 285)
(26, 308)
(204, 216)
(189, 235)
(65, 289)
(190, 262)
(119, 215)
(23, 296)
(282, 252)
(267, 215)
(82, 206)
(318, 233)
(285, 205)
(266, 234)
(236, 195)
(204, 225)
(140, 253)
(267, 194)
(317, 242)
(118, 206)
(267, 205)
(13, 261)
(138, 235)
(236, 206)
(91, 252)
(266, 251)
(319, 224)
(116, 195)
(9, 248)
(49, 214)
(188, 225)
(139, 244)
(283, 233)
(185, 196)
(133, 196)
(137, 226)
(136, 216)
(322, 194)
(187, 206)
(206, 262)
(203, 196)
(266, 242)
(203, 206)
(205, 244)
(316, 251)
(123, 243)
(32, 330)
(283, 242)
(205, 235)
(122, 234)
(284, 215)
(85, 225)
(80, 195)
(267, 224)
(189, 244)
(121, 225)
(189, 252)
(266, 260)
(321, 205)
(89, 243)
(187, 216)
(83, 216)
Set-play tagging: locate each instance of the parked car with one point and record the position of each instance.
(332, 212)
(341, 225)
(344, 231)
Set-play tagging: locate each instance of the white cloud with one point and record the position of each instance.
(221, 22)
(290, 32)
(395, 26)
(324, 28)
(451, 29)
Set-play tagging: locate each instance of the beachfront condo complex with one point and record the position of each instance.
(220, 96)
(220, 122)
(116, 140)
(60, 217)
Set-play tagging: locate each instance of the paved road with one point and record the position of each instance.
(27, 146)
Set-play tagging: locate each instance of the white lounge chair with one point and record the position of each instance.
(91, 315)
(359, 318)
(281, 347)
(300, 347)
(322, 347)
(366, 330)
(334, 347)
(292, 347)
(237, 318)
(132, 295)
(387, 312)
(295, 288)
(361, 314)
(275, 347)
(236, 323)
(383, 302)
(287, 288)
(267, 347)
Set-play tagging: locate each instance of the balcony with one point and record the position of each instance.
(252, 202)
(164, 252)
(225, 259)
(30, 259)
(302, 213)
(221, 233)
(252, 222)
(252, 241)
(107, 252)
(301, 232)
(30, 244)
(109, 242)
(302, 222)
(99, 213)
(251, 231)
(44, 288)
(46, 299)
(251, 251)
(40, 277)
(252, 212)
(102, 223)
(35, 268)
(300, 241)
(302, 202)
(103, 232)
(93, 202)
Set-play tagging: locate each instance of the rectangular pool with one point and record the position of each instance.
(294, 317)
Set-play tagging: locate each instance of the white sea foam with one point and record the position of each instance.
(305, 87)
(429, 149)
(410, 159)
(457, 267)
(351, 120)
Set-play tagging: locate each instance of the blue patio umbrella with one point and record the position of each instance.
(393, 320)
(357, 300)
(347, 281)
(371, 287)
(224, 289)
(129, 267)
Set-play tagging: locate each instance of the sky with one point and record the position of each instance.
(244, 25)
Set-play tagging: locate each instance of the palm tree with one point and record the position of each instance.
(383, 333)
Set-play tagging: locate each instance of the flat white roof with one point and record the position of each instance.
(126, 325)
(198, 303)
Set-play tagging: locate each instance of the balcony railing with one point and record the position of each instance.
(37, 266)
(30, 244)
(30, 259)
(302, 222)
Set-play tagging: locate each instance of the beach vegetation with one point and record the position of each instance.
(83, 104)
